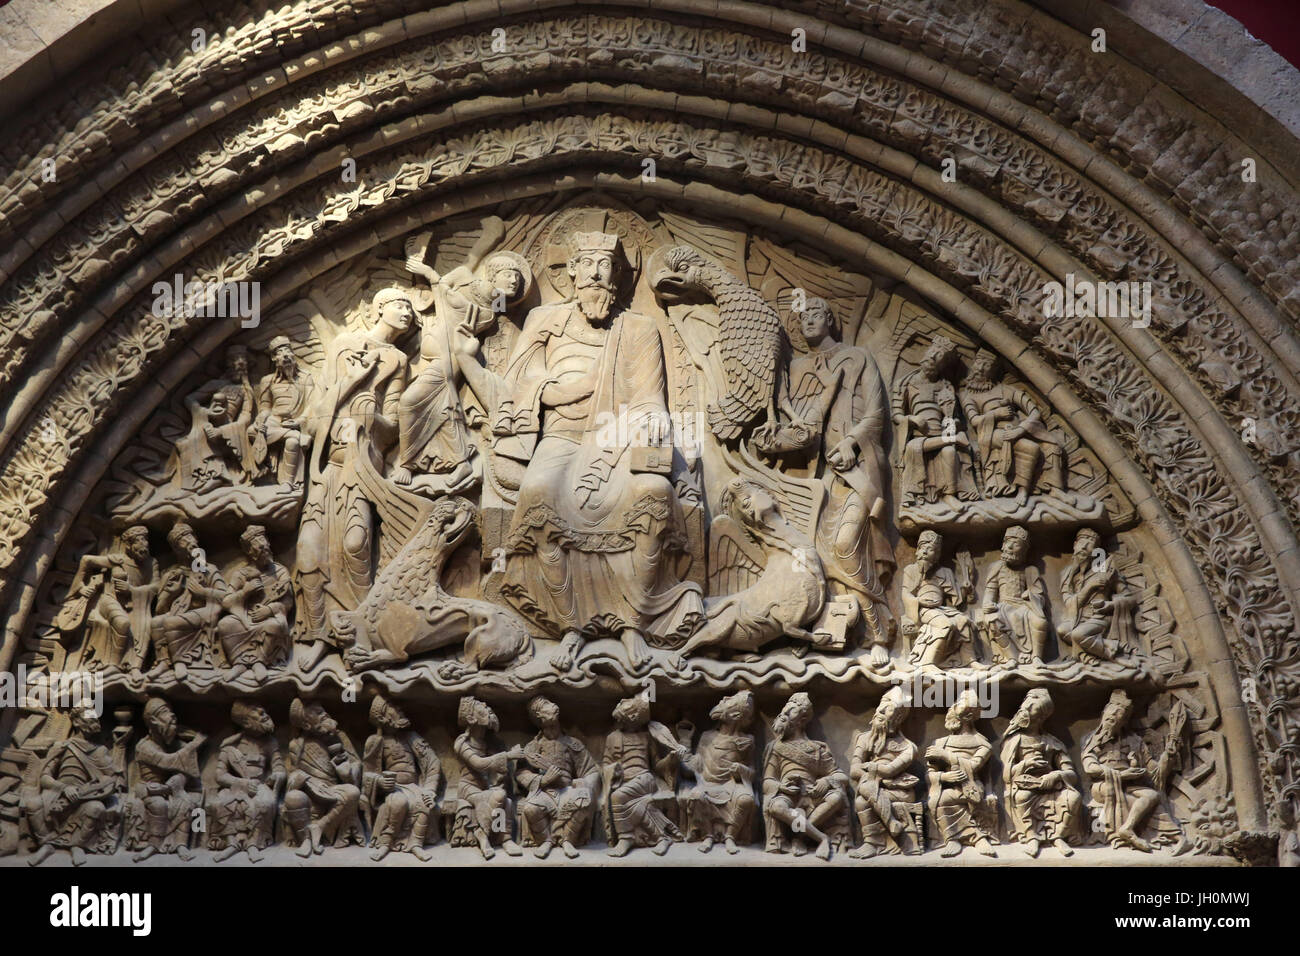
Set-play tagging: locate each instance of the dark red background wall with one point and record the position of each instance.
(1276, 22)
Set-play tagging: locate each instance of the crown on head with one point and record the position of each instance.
(594, 242)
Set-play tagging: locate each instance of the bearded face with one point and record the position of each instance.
(185, 544)
(594, 282)
(136, 545)
(483, 716)
(319, 722)
(1084, 544)
(544, 712)
(163, 723)
(1014, 550)
(258, 549)
(794, 715)
(284, 360)
(85, 722)
(1112, 721)
(393, 719)
(927, 551)
(257, 721)
(981, 372)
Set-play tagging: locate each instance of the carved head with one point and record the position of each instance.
(684, 276)
(237, 362)
(938, 357)
(392, 308)
(1033, 711)
(160, 719)
(255, 544)
(928, 548)
(252, 717)
(472, 712)
(182, 540)
(890, 712)
(794, 716)
(386, 715)
(961, 715)
(504, 271)
(453, 517)
(817, 321)
(1015, 546)
(281, 352)
(311, 718)
(632, 711)
(1115, 715)
(737, 709)
(543, 712)
(135, 542)
(1085, 542)
(748, 503)
(595, 260)
(983, 368)
(85, 722)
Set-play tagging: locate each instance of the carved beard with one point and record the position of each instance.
(877, 736)
(287, 366)
(595, 301)
(260, 727)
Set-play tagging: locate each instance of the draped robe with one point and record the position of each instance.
(592, 544)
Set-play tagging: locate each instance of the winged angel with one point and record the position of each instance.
(376, 407)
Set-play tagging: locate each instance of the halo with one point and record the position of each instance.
(520, 263)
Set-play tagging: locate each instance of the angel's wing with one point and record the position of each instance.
(735, 562)
(820, 279)
(777, 272)
(467, 245)
(340, 300)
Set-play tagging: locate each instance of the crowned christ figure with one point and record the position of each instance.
(597, 530)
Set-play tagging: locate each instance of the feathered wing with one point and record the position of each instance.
(339, 297)
(777, 271)
(735, 561)
(401, 511)
(752, 342)
(800, 499)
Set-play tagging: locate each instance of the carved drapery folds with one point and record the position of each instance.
(635, 389)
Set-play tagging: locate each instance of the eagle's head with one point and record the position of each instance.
(685, 276)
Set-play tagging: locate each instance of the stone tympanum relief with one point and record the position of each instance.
(594, 453)
(703, 361)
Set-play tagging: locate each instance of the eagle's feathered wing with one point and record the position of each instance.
(751, 340)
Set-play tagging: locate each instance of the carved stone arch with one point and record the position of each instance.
(234, 173)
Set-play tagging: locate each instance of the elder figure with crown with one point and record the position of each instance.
(597, 529)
